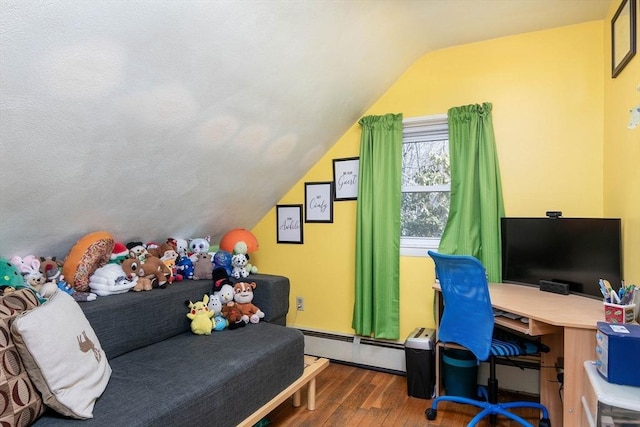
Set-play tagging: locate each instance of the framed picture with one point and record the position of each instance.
(318, 202)
(345, 178)
(289, 223)
(623, 36)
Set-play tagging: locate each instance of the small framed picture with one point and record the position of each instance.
(318, 202)
(345, 178)
(623, 36)
(289, 223)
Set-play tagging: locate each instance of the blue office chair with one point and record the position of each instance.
(468, 321)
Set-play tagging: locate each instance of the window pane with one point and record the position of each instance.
(424, 214)
(425, 163)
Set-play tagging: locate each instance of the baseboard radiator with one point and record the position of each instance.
(389, 356)
(367, 352)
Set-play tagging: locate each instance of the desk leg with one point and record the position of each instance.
(579, 346)
(549, 386)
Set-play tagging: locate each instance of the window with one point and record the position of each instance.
(426, 183)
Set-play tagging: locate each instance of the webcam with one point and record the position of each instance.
(554, 214)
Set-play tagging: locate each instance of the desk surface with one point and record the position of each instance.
(572, 311)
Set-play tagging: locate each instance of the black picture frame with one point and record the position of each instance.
(318, 202)
(289, 227)
(623, 36)
(345, 178)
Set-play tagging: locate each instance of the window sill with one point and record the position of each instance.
(411, 246)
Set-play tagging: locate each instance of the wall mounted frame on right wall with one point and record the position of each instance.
(623, 36)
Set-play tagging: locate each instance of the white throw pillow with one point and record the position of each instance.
(62, 355)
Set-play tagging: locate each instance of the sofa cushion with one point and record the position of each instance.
(189, 379)
(62, 355)
(20, 403)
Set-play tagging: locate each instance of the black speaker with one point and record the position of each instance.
(555, 287)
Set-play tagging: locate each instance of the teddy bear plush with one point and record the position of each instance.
(202, 266)
(243, 296)
(200, 316)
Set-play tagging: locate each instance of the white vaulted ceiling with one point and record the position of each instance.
(151, 118)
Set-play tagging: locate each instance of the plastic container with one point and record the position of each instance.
(460, 373)
(419, 353)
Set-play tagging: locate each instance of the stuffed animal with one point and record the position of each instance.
(239, 266)
(222, 259)
(220, 277)
(225, 294)
(137, 251)
(203, 266)
(29, 266)
(181, 245)
(169, 257)
(198, 246)
(79, 296)
(243, 296)
(111, 279)
(10, 277)
(242, 248)
(119, 253)
(215, 306)
(184, 267)
(152, 268)
(232, 313)
(200, 316)
(143, 284)
(153, 249)
(230, 310)
(51, 270)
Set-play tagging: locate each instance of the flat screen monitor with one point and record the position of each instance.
(573, 251)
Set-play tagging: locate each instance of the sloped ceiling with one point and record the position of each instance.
(187, 118)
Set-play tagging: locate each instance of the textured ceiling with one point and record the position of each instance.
(186, 118)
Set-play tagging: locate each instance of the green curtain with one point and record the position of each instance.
(473, 226)
(377, 289)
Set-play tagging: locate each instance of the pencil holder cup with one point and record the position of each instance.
(616, 313)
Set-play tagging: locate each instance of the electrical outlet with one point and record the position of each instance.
(300, 303)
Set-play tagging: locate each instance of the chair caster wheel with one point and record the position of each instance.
(544, 422)
(431, 414)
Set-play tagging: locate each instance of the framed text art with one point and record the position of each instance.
(318, 202)
(345, 178)
(289, 223)
(623, 36)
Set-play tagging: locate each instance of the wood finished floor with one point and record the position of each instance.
(351, 396)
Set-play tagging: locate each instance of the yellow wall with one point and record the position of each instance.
(548, 97)
(622, 152)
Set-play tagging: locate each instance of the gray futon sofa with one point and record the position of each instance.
(164, 375)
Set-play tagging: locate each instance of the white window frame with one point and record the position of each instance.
(434, 127)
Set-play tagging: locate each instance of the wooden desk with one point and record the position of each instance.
(567, 324)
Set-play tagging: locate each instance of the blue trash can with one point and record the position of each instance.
(460, 373)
